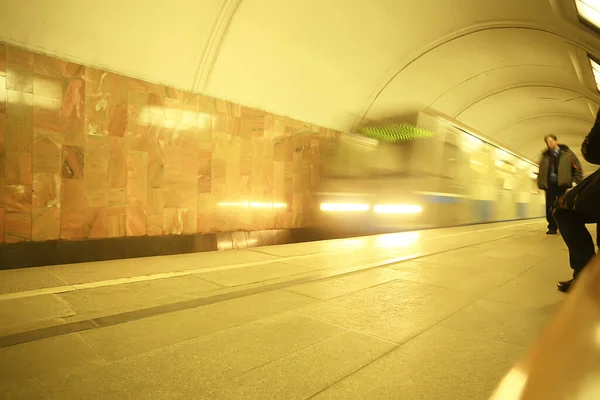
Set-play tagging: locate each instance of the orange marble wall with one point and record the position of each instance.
(86, 153)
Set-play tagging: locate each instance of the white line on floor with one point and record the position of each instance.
(164, 275)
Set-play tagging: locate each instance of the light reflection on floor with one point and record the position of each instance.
(446, 323)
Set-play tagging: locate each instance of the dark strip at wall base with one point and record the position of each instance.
(58, 252)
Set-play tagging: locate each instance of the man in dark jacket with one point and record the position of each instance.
(580, 206)
(559, 168)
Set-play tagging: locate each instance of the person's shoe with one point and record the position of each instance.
(565, 286)
(551, 232)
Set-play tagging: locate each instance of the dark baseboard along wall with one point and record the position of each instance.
(58, 252)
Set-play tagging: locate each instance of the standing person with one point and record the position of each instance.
(559, 168)
(580, 206)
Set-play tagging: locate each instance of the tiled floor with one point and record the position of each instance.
(439, 314)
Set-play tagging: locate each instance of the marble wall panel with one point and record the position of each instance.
(47, 153)
(86, 153)
(17, 198)
(3, 122)
(2, 79)
(17, 227)
(2, 221)
(46, 190)
(45, 223)
(72, 162)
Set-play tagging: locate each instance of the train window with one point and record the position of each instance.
(450, 160)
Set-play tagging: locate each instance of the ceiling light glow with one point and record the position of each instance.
(589, 11)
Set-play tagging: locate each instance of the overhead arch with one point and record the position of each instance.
(589, 121)
(331, 63)
(527, 136)
(213, 44)
(579, 93)
(487, 72)
(407, 61)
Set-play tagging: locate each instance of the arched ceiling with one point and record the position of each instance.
(513, 70)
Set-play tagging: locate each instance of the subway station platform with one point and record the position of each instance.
(435, 314)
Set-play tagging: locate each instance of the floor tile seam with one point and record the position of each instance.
(418, 334)
(121, 281)
(8, 332)
(173, 274)
(350, 329)
(308, 271)
(223, 382)
(91, 346)
(372, 335)
(507, 281)
(146, 278)
(223, 385)
(513, 278)
(520, 346)
(52, 321)
(557, 304)
(95, 314)
(58, 277)
(36, 292)
(433, 285)
(221, 291)
(196, 276)
(349, 293)
(396, 347)
(497, 339)
(282, 280)
(525, 306)
(467, 291)
(334, 275)
(299, 313)
(265, 289)
(235, 326)
(452, 314)
(244, 372)
(66, 304)
(392, 302)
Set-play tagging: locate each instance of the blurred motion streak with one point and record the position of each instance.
(397, 209)
(447, 177)
(252, 204)
(341, 207)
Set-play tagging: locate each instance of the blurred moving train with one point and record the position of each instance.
(450, 177)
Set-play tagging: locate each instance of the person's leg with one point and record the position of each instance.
(577, 238)
(550, 199)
